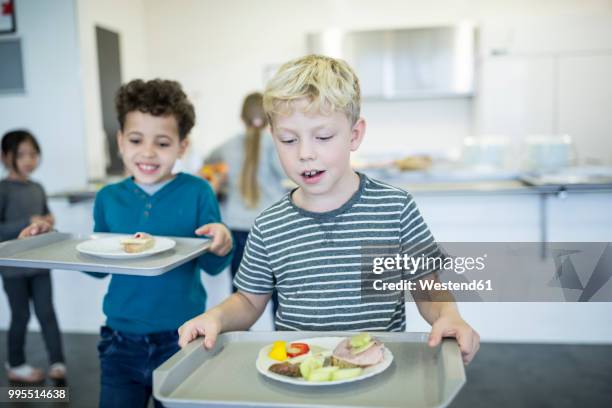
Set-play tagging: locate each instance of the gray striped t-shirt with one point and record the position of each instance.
(315, 259)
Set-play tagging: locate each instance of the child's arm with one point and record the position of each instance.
(255, 282)
(438, 308)
(46, 214)
(10, 229)
(238, 312)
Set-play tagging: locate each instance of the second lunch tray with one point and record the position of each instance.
(57, 250)
(226, 376)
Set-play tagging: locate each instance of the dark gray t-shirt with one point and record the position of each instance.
(315, 260)
(19, 201)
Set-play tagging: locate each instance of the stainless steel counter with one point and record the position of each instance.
(428, 186)
(502, 187)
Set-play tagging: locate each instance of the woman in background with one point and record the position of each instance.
(23, 202)
(247, 174)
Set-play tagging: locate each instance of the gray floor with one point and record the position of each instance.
(503, 375)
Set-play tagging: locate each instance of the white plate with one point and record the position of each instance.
(264, 362)
(111, 247)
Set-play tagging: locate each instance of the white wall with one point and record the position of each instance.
(61, 107)
(127, 19)
(51, 106)
(222, 48)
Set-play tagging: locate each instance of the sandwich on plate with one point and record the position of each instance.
(140, 242)
(358, 351)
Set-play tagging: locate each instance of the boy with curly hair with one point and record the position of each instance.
(144, 312)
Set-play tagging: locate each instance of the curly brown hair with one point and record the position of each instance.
(158, 97)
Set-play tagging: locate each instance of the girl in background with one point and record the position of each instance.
(247, 174)
(23, 202)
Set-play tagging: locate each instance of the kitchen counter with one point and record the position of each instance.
(501, 187)
(469, 187)
(87, 193)
(74, 197)
(455, 182)
(466, 182)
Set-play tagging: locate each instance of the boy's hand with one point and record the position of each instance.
(42, 218)
(455, 326)
(203, 325)
(49, 219)
(36, 228)
(221, 238)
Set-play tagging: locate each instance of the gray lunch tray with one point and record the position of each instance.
(57, 250)
(227, 377)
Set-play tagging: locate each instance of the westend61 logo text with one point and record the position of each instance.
(412, 265)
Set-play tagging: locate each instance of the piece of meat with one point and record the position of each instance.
(286, 369)
(343, 357)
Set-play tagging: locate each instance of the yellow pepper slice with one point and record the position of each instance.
(279, 351)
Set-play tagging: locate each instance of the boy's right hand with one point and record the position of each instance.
(36, 228)
(203, 325)
(42, 218)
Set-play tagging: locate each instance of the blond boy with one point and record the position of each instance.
(308, 246)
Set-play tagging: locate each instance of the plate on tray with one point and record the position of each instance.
(111, 247)
(324, 345)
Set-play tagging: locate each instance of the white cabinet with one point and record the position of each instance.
(481, 218)
(549, 77)
(580, 217)
(585, 105)
(516, 96)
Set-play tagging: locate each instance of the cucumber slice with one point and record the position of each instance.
(360, 340)
(316, 376)
(346, 373)
(322, 374)
(310, 364)
(355, 351)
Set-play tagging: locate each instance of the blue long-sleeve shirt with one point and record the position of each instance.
(149, 304)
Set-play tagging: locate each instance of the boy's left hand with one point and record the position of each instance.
(221, 238)
(455, 326)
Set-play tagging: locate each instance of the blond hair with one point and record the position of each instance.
(328, 84)
(254, 119)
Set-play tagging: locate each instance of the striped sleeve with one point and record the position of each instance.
(416, 240)
(255, 272)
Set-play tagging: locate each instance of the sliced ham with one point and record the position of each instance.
(343, 357)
